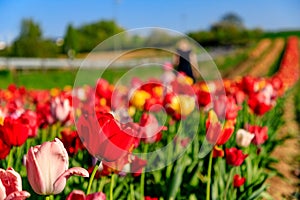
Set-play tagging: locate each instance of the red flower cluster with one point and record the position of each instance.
(289, 67)
(15, 131)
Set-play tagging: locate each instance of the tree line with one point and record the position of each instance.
(229, 30)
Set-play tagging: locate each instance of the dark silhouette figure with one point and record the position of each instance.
(185, 60)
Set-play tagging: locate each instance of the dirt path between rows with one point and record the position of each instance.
(262, 67)
(288, 155)
(254, 56)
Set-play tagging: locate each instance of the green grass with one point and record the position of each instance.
(226, 63)
(46, 79)
(59, 78)
(283, 34)
(297, 102)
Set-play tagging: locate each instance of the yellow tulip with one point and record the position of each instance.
(139, 98)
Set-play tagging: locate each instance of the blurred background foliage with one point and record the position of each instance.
(228, 31)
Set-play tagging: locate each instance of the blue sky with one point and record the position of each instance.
(180, 15)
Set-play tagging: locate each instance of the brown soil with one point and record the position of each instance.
(262, 67)
(254, 55)
(288, 155)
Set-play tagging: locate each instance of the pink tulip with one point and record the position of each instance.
(47, 168)
(79, 195)
(150, 128)
(61, 108)
(11, 185)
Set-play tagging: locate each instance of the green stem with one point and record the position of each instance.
(209, 176)
(132, 191)
(111, 197)
(44, 134)
(142, 183)
(92, 178)
(19, 157)
(228, 183)
(47, 197)
(10, 155)
(102, 183)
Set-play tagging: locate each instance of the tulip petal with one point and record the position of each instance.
(96, 196)
(60, 183)
(76, 195)
(2, 190)
(117, 143)
(18, 195)
(12, 180)
(53, 161)
(34, 174)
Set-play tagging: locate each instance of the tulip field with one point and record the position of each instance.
(164, 138)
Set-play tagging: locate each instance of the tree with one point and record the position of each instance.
(229, 29)
(70, 39)
(30, 43)
(232, 19)
(29, 40)
(88, 36)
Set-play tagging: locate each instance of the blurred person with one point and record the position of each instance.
(185, 60)
(168, 75)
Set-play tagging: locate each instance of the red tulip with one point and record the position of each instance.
(71, 141)
(153, 104)
(80, 195)
(203, 93)
(215, 133)
(238, 181)
(11, 185)
(151, 131)
(4, 149)
(261, 133)
(122, 164)
(218, 152)
(104, 90)
(137, 165)
(250, 84)
(234, 156)
(262, 101)
(226, 107)
(47, 168)
(104, 137)
(43, 111)
(14, 132)
(150, 198)
(30, 118)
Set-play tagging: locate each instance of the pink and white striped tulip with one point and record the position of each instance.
(11, 185)
(47, 168)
